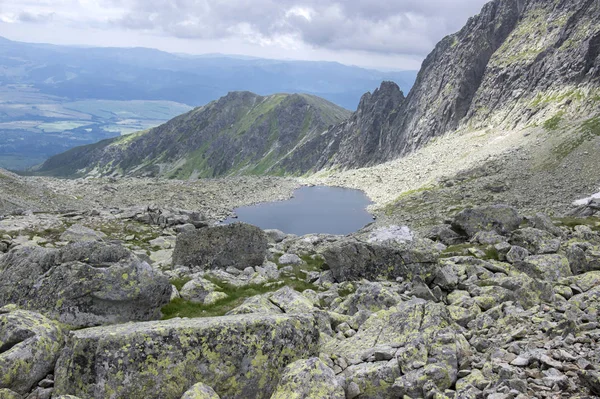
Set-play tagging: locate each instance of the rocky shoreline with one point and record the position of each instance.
(491, 304)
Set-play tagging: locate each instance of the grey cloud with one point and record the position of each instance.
(385, 26)
(38, 18)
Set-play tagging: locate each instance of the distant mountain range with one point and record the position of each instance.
(77, 73)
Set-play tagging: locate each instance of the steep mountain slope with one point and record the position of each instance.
(241, 133)
(517, 63)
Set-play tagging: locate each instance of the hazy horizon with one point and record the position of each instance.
(387, 35)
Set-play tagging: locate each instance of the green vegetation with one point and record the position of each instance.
(558, 98)
(588, 130)
(490, 253)
(296, 279)
(180, 282)
(554, 122)
(235, 297)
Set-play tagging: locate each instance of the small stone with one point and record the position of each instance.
(521, 361)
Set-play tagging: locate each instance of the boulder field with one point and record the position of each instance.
(492, 304)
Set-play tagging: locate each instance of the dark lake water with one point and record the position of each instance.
(319, 209)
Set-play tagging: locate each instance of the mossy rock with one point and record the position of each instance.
(238, 356)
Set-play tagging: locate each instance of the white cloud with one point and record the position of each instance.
(352, 29)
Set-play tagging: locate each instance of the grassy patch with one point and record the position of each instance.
(236, 296)
(180, 282)
(554, 122)
(182, 308)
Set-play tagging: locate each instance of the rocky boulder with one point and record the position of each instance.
(545, 267)
(536, 241)
(236, 245)
(310, 378)
(29, 347)
(202, 291)
(502, 219)
(200, 391)
(83, 284)
(238, 356)
(78, 233)
(351, 259)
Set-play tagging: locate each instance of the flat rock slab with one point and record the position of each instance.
(238, 356)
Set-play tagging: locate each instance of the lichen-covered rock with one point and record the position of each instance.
(198, 290)
(583, 257)
(352, 260)
(236, 245)
(308, 379)
(256, 304)
(291, 301)
(83, 284)
(535, 241)
(371, 297)
(79, 233)
(238, 356)
(545, 267)
(409, 321)
(374, 380)
(200, 391)
(499, 218)
(29, 346)
(522, 289)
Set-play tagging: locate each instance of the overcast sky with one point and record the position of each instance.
(384, 34)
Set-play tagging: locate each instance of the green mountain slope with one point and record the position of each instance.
(241, 133)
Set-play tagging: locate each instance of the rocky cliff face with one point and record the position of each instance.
(241, 133)
(518, 62)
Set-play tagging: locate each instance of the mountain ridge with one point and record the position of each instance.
(241, 133)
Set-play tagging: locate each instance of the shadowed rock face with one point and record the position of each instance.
(238, 356)
(83, 284)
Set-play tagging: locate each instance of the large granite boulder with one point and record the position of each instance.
(238, 356)
(502, 219)
(236, 245)
(351, 259)
(309, 378)
(29, 347)
(83, 284)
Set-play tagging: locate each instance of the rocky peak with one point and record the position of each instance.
(516, 63)
(383, 100)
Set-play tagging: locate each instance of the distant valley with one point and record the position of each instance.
(53, 98)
